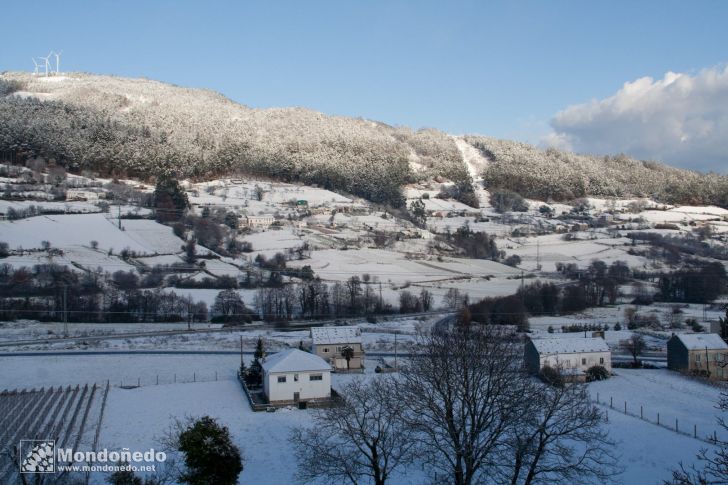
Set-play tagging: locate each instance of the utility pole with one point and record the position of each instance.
(241, 352)
(65, 310)
(396, 367)
(538, 255)
(118, 217)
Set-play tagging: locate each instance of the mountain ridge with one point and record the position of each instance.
(143, 128)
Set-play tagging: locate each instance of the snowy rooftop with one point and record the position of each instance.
(695, 341)
(294, 360)
(566, 345)
(335, 335)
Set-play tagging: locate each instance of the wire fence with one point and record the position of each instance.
(175, 378)
(658, 419)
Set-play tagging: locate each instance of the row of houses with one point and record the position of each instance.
(294, 376)
(297, 377)
(692, 353)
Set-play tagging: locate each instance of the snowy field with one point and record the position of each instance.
(142, 236)
(28, 329)
(552, 249)
(376, 337)
(690, 401)
(137, 418)
(395, 268)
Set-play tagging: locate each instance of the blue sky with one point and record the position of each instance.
(497, 68)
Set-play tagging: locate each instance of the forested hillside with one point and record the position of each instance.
(142, 128)
(557, 175)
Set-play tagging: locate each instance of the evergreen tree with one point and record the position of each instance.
(209, 453)
(123, 476)
(170, 201)
(417, 213)
(259, 350)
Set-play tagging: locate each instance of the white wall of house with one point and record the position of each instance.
(75, 194)
(580, 361)
(297, 382)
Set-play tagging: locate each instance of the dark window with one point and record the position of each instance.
(281, 378)
(583, 361)
(316, 377)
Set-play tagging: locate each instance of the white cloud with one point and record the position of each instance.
(679, 119)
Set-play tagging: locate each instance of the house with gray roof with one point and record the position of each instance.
(698, 353)
(571, 355)
(339, 346)
(294, 377)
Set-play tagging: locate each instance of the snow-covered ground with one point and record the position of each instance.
(142, 236)
(138, 418)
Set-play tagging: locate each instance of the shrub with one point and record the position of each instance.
(507, 201)
(551, 376)
(597, 373)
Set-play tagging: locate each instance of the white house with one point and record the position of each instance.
(294, 376)
(263, 220)
(573, 355)
(80, 194)
(332, 344)
(698, 353)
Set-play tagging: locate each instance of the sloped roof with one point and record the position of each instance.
(294, 360)
(569, 345)
(697, 341)
(335, 335)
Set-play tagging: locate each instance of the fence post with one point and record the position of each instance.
(175, 378)
(658, 418)
(642, 416)
(215, 375)
(676, 430)
(625, 407)
(715, 436)
(611, 402)
(597, 397)
(157, 379)
(194, 377)
(695, 431)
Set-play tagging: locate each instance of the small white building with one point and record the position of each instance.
(259, 221)
(79, 194)
(572, 355)
(330, 343)
(294, 376)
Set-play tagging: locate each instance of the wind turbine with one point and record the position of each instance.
(58, 60)
(36, 66)
(47, 64)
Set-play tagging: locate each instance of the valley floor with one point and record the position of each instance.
(137, 418)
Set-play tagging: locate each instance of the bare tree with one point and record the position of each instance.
(635, 345)
(560, 439)
(460, 393)
(363, 438)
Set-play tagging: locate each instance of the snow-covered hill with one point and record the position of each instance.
(140, 127)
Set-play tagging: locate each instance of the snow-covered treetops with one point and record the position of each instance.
(143, 128)
(557, 175)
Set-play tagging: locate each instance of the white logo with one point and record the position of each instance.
(37, 456)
